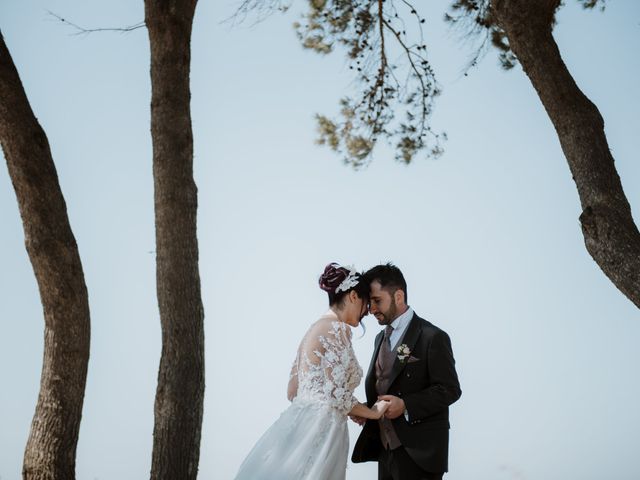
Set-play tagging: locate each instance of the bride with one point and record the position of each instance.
(310, 439)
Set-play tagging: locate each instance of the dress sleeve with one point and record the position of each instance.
(336, 359)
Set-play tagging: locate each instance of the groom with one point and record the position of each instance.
(413, 368)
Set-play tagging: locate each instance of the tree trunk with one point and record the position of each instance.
(610, 234)
(51, 449)
(180, 390)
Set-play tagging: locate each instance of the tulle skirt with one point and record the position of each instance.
(309, 441)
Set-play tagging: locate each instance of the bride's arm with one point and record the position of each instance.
(373, 413)
(292, 387)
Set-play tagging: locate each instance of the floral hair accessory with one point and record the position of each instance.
(337, 278)
(349, 282)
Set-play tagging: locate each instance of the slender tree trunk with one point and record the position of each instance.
(51, 449)
(180, 390)
(610, 234)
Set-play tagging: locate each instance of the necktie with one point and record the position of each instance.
(385, 356)
(387, 335)
(383, 370)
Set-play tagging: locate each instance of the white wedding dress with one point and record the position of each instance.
(310, 439)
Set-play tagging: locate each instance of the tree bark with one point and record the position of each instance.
(610, 234)
(180, 389)
(51, 449)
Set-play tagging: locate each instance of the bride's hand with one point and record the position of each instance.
(379, 408)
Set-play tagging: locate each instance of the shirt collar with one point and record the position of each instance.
(401, 322)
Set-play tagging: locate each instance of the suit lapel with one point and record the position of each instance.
(410, 339)
(370, 386)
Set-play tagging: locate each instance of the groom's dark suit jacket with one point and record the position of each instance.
(428, 384)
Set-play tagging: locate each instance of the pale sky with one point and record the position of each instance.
(488, 238)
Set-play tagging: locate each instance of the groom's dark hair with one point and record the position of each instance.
(389, 276)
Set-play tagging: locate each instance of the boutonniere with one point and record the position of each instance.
(403, 353)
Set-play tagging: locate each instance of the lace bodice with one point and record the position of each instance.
(326, 369)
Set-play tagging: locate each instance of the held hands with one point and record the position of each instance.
(360, 413)
(396, 406)
(379, 408)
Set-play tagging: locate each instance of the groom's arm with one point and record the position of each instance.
(444, 387)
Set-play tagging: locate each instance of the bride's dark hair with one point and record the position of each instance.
(334, 275)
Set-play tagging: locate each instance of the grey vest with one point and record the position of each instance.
(384, 364)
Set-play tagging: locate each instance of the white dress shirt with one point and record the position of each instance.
(400, 325)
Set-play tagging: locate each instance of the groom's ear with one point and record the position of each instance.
(398, 296)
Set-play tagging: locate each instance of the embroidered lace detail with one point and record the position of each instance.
(326, 369)
(310, 440)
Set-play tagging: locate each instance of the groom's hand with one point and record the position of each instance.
(396, 406)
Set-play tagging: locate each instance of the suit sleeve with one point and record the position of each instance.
(444, 388)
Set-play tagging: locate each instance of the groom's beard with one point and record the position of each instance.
(390, 315)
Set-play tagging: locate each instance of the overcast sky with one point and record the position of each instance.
(488, 238)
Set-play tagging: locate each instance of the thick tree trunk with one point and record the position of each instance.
(180, 390)
(610, 234)
(51, 449)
